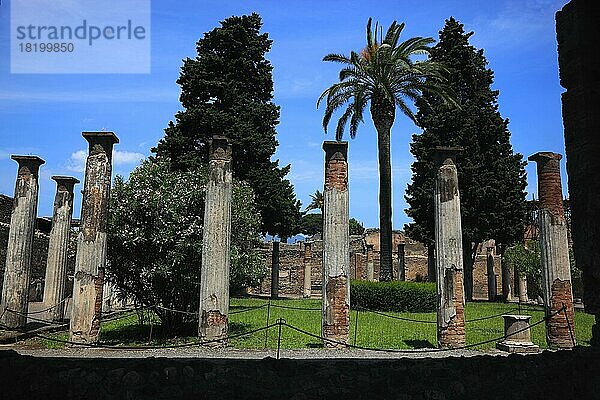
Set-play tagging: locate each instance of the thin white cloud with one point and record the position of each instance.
(143, 95)
(76, 162)
(127, 157)
(516, 23)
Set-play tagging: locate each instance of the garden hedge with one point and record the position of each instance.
(398, 296)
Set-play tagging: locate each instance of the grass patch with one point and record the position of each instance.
(373, 330)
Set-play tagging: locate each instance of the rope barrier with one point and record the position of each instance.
(174, 346)
(420, 350)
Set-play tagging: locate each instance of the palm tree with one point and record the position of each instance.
(316, 202)
(384, 75)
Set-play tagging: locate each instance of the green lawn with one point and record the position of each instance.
(373, 330)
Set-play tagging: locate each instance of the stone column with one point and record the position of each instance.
(554, 245)
(522, 285)
(91, 240)
(58, 247)
(505, 270)
(449, 252)
(17, 272)
(491, 275)
(307, 261)
(577, 32)
(336, 244)
(275, 270)
(216, 240)
(370, 266)
(431, 271)
(401, 262)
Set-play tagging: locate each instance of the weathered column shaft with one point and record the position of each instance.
(449, 252)
(370, 266)
(491, 276)
(522, 285)
(58, 247)
(505, 270)
(431, 269)
(92, 241)
(554, 245)
(307, 261)
(275, 270)
(336, 244)
(401, 262)
(17, 272)
(216, 240)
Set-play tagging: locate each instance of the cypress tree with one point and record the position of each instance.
(491, 176)
(227, 89)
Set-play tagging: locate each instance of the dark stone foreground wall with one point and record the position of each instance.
(562, 375)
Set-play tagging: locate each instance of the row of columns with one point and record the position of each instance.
(214, 285)
(91, 246)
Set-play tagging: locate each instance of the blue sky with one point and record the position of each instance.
(44, 114)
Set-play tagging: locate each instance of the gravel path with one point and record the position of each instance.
(195, 352)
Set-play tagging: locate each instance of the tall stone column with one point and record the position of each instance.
(401, 262)
(91, 240)
(577, 33)
(58, 247)
(505, 270)
(449, 252)
(370, 266)
(275, 270)
(491, 275)
(216, 240)
(556, 269)
(336, 244)
(307, 261)
(431, 270)
(17, 272)
(522, 282)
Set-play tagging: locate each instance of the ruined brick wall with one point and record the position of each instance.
(551, 375)
(291, 258)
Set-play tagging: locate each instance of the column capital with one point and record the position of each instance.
(220, 148)
(446, 155)
(544, 156)
(100, 142)
(94, 137)
(68, 182)
(335, 150)
(31, 162)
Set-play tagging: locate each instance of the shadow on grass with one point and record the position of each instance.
(419, 344)
(137, 333)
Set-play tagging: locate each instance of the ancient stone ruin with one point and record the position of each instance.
(15, 288)
(90, 262)
(214, 284)
(336, 241)
(554, 245)
(578, 31)
(449, 256)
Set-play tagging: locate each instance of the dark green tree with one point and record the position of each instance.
(311, 224)
(491, 176)
(356, 228)
(384, 76)
(227, 89)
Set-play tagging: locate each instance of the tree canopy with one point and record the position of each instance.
(491, 176)
(227, 89)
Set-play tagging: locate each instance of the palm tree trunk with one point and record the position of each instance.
(383, 112)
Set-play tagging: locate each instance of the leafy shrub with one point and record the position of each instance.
(155, 229)
(398, 296)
